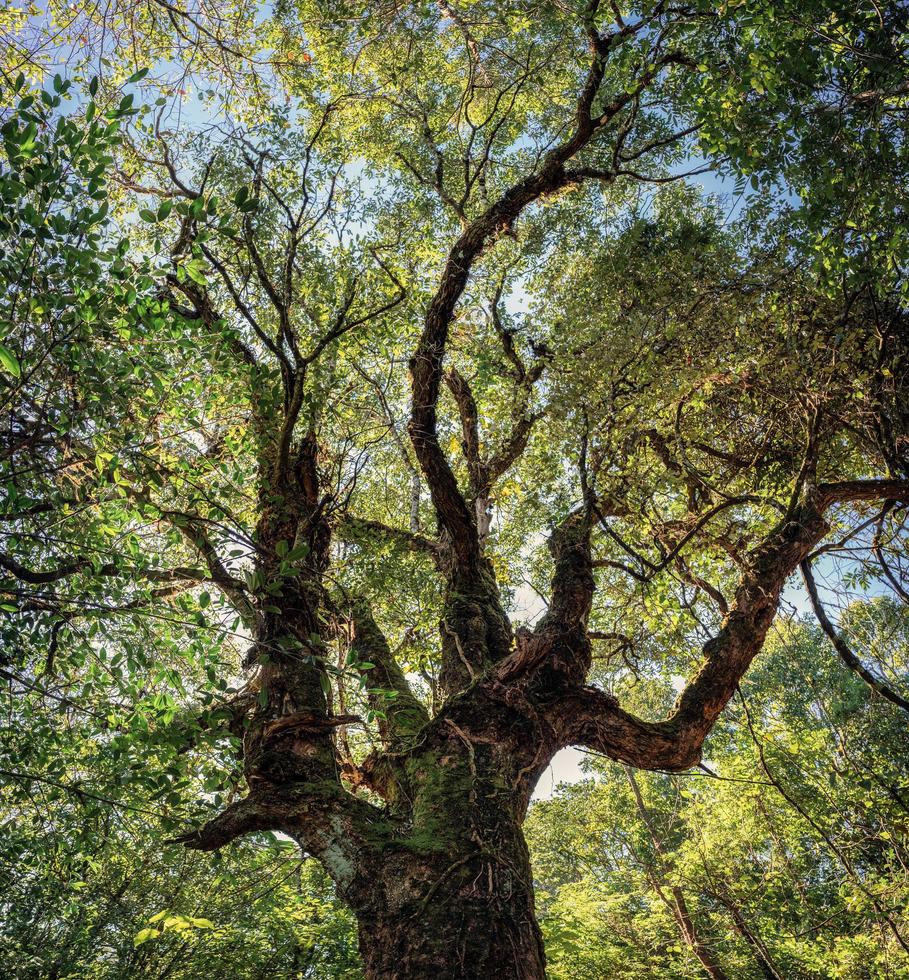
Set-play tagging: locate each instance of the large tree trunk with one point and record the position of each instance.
(454, 916)
(450, 893)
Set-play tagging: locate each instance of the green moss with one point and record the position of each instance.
(441, 804)
(408, 718)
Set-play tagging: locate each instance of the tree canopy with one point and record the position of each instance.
(394, 395)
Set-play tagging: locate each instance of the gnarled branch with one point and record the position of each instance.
(454, 514)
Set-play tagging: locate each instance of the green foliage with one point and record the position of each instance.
(90, 899)
(790, 842)
(811, 99)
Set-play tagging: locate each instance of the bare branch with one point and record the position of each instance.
(839, 644)
(453, 512)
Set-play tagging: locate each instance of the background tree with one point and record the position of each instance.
(786, 846)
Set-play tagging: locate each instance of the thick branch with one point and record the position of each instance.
(592, 718)
(107, 570)
(856, 490)
(470, 430)
(389, 691)
(512, 448)
(329, 823)
(246, 816)
(560, 638)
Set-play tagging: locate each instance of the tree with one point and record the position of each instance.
(105, 904)
(211, 471)
(786, 847)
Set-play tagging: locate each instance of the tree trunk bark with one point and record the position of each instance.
(462, 917)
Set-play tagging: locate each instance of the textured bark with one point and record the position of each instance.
(449, 892)
(446, 916)
(439, 878)
(433, 863)
(590, 717)
(553, 175)
(475, 631)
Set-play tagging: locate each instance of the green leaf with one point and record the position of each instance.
(9, 362)
(194, 271)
